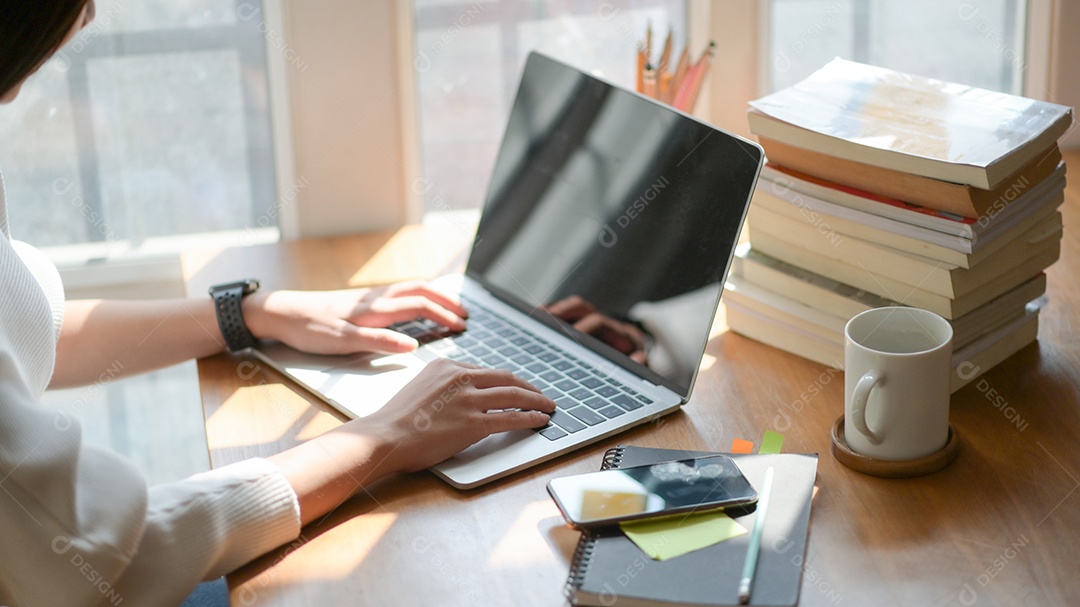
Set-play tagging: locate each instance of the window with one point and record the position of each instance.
(152, 123)
(978, 43)
(469, 57)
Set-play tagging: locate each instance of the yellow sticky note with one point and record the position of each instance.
(672, 536)
(739, 445)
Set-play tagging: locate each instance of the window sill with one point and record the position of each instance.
(96, 267)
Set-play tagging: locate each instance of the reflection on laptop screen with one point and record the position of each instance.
(615, 215)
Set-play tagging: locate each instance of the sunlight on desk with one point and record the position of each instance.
(719, 324)
(414, 252)
(349, 550)
(525, 531)
(707, 361)
(277, 417)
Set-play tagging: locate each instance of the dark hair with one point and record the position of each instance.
(30, 32)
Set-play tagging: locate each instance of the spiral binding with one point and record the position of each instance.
(612, 458)
(587, 542)
(579, 565)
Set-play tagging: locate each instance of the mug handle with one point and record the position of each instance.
(859, 396)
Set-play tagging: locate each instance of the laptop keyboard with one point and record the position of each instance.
(583, 395)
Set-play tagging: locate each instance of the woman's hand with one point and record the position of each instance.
(354, 320)
(451, 406)
(446, 408)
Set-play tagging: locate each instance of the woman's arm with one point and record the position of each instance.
(104, 340)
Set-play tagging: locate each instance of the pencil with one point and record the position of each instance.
(648, 86)
(648, 41)
(669, 89)
(755, 540)
(695, 76)
(680, 69)
(642, 61)
(665, 90)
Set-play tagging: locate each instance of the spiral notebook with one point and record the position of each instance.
(608, 569)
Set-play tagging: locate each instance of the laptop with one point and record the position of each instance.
(608, 228)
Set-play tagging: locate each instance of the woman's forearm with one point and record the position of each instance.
(108, 339)
(104, 340)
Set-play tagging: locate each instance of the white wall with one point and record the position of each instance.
(345, 101)
(735, 76)
(1065, 64)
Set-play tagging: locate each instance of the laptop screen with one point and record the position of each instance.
(613, 218)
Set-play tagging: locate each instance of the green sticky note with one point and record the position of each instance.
(673, 536)
(771, 442)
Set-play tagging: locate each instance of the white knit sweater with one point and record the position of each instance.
(78, 525)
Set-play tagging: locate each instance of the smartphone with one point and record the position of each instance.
(612, 496)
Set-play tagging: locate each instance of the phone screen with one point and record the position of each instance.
(615, 495)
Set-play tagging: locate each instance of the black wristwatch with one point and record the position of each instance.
(230, 316)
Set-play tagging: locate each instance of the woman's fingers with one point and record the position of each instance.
(484, 378)
(502, 398)
(504, 421)
(365, 339)
(390, 310)
(422, 289)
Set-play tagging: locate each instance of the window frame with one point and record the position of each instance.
(98, 265)
(322, 34)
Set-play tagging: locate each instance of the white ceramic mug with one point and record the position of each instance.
(897, 367)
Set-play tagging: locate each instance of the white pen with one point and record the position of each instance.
(755, 540)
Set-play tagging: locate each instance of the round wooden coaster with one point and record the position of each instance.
(891, 468)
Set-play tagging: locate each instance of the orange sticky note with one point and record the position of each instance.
(739, 445)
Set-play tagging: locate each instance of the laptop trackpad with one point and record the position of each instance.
(496, 443)
(359, 385)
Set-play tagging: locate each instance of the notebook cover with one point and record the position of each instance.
(609, 569)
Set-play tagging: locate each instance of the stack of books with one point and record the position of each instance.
(883, 188)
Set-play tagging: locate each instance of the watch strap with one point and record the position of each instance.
(230, 317)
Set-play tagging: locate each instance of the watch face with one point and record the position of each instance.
(249, 285)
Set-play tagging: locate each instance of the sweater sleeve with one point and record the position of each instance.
(78, 524)
(81, 527)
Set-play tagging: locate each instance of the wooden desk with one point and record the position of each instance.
(998, 527)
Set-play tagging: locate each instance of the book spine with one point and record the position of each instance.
(586, 545)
